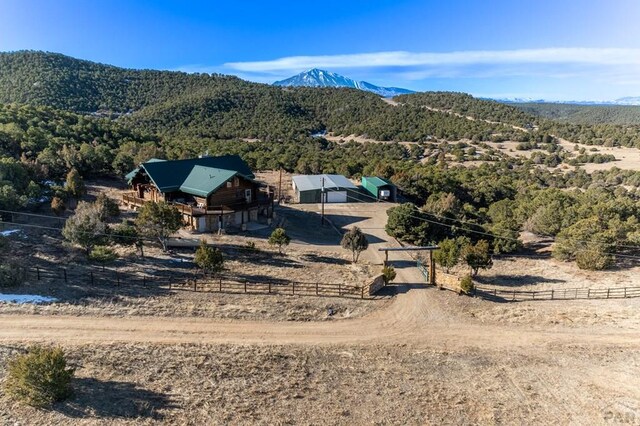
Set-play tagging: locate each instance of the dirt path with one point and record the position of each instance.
(410, 319)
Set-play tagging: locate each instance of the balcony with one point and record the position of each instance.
(186, 209)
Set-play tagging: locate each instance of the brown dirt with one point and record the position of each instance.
(193, 384)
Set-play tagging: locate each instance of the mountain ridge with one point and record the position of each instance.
(316, 77)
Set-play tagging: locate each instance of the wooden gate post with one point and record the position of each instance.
(432, 269)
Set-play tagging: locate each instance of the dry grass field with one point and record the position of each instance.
(194, 384)
(104, 297)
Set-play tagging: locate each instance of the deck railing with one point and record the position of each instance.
(132, 198)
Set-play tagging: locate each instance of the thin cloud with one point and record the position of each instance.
(585, 56)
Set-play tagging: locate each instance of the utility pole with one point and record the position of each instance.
(280, 187)
(322, 194)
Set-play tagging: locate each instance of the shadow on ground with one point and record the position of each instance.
(515, 280)
(393, 289)
(325, 259)
(111, 399)
(403, 264)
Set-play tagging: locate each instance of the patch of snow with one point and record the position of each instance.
(10, 232)
(26, 298)
(178, 259)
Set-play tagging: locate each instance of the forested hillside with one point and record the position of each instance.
(583, 114)
(593, 129)
(467, 105)
(176, 115)
(59, 81)
(200, 105)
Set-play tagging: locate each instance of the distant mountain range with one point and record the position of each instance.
(321, 78)
(628, 100)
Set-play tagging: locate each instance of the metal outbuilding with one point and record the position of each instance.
(338, 189)
(379, 188)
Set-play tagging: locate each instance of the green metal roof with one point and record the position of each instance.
(131, 174)
(376, 181)
(171, 175)
(202, 180)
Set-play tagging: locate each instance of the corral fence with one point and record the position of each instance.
(195, 282)
(503, 295)
(451, 282)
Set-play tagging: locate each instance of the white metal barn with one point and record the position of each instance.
(338, 189)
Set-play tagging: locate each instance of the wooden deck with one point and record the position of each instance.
(132, 199)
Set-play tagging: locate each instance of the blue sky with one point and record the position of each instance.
(562, 49)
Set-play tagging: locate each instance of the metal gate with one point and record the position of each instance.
(424, 270)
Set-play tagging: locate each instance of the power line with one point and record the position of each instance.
(488, 234)
(468, 222)
(515, 239)
(101, 234)
(33, 214)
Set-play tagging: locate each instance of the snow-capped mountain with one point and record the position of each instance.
(321, 78)
(628, 100)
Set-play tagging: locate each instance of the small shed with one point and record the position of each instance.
(338, 189)
(379, 188)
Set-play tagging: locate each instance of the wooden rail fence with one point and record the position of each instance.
(194, 282)
(503, 295)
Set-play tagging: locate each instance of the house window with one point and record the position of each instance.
(236, 181)
(247, 195)
(229, 184)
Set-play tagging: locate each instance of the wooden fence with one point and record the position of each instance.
(501, 295)
(120, 278)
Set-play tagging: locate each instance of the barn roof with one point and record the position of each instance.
(314, 182)
(377, 181)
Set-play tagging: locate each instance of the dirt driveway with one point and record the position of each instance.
(371, 218)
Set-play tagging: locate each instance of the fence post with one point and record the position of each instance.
(220, 285)
(340, 289)
(195, 284)
(317, 285)
(589, 293)
(608, 292)
(625, 292)
(362, 293)
(269, 287)
(38, 272)
(514, 295)
(552, 291)
(245, 286)
(144, 280)
(91, 277)
(293, 288)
